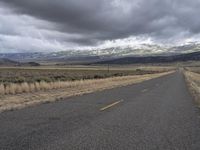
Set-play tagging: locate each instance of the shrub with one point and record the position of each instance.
(2, 89)
(25, 87)
(32, 87)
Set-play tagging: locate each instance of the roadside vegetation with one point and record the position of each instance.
(30, 91)
(192, 76)
(38, 74)
(27, 80)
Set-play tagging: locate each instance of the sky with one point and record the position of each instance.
(57, 25)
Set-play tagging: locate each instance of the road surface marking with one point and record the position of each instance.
(144, 90)
(111, 105)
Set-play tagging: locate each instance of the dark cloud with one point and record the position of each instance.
(91, 22)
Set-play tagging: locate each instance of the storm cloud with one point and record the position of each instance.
(47, 25)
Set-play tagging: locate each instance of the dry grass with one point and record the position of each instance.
(29, 80)
(62, 90)
(53, 74)
(193, 80)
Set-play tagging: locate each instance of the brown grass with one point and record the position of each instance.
(193, 80)
(18, 88)
(38, 74)
(2, 89)
(35, 93)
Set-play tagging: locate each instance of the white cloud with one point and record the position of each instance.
(62, 25)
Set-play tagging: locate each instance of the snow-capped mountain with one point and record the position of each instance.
(112, 52)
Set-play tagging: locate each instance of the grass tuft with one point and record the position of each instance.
(193, 80)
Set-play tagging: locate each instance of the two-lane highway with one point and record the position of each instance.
(156, 114)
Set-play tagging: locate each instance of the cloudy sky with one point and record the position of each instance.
(55, 25)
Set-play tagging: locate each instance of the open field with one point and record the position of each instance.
(33, 79)
(71, 73)
(70, 88)
(193, 79)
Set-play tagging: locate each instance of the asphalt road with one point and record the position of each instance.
(158, 114)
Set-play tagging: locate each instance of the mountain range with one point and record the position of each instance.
(194, 56)
(125, 54)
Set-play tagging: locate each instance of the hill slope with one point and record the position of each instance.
(8, 62)
(195, 56)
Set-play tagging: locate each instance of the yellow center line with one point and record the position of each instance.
(145, 90)
(111, 105)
